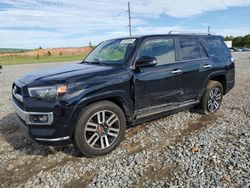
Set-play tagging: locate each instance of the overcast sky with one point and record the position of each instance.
(64, 23)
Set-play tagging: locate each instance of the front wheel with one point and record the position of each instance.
(100, 128)
(212, 97)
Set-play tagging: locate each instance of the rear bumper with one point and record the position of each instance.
(229, 86)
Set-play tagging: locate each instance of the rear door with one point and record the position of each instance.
(191, 61)
(160, 84)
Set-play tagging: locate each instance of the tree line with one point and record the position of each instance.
(240, 41)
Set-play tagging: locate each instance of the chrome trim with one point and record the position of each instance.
(176, 71)
(26, 115)
(196, 59)
(53, 139)
(162, 108)
(207, 66)
(18, 97)
(187, 33)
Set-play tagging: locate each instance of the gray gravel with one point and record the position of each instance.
(186, 149)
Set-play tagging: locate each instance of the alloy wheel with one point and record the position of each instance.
(102, 129)
(214, 100)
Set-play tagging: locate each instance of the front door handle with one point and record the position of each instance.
(176, 71)
(207, 66)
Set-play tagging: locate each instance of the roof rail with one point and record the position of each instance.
(187, 33)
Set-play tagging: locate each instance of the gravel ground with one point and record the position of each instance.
(186, 149)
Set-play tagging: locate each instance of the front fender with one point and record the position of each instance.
(118, 95)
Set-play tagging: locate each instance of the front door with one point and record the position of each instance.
(160, 84)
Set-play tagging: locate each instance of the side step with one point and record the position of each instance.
(162, 108)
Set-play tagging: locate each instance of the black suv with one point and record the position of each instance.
(123, 82)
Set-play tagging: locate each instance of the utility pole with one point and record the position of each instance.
(208, 29)
(129, 19)
(13, 55)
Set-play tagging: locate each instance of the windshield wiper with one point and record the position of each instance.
(96, 63)
(85, 62)
(91, 62)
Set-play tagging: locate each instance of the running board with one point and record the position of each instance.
(162, 108)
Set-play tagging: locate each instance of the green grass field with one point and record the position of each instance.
(16, 60)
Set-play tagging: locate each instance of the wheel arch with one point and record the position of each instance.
(219, 76)
(119, 98)
(222, 79)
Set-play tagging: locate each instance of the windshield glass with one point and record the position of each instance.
(111, 52)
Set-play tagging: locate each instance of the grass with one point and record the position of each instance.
(16, 60)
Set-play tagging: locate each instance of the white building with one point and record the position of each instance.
(229, 43)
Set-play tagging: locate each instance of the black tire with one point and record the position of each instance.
(206, 100)
(88, 115)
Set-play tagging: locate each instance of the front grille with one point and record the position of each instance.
(17, 94)
(18, 89)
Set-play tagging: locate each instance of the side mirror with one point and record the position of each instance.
(146, 61)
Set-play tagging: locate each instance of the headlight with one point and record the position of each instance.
(48, 92)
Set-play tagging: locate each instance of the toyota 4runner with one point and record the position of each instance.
(123, 82)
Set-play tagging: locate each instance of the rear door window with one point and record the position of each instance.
(203, 51)
(190, 49)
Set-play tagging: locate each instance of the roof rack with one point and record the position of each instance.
(187, 33)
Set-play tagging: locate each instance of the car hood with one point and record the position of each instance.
(61, 74)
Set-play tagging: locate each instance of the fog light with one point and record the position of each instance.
(43, 118)
(39, 118)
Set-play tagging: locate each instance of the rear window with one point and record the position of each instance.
(215, 46)
(190, 49)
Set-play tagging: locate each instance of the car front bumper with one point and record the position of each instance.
(43, 133)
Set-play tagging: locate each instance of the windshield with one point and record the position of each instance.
(111, 52)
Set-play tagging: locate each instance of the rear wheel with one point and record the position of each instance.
(212, 97)
(100, 128)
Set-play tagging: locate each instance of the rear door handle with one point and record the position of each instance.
(207, 66)
(176, 71)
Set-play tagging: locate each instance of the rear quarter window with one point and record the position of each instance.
(190, 49)
(215, 46)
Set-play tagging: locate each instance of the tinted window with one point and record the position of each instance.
(203, 52)
(189, 49)
(111, 52)
(215, 46)
(162, 49)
